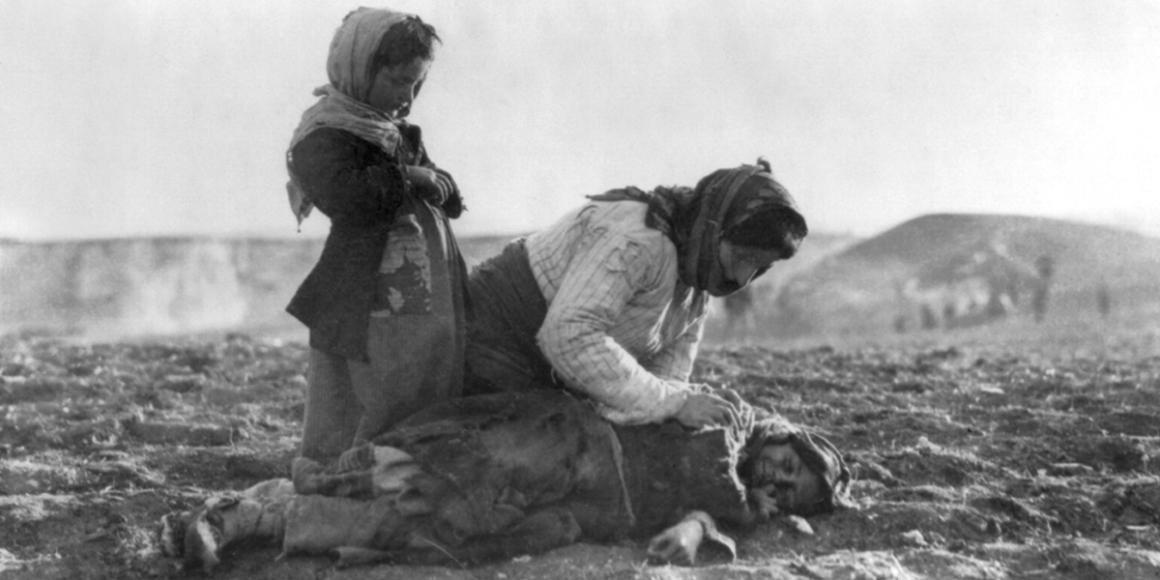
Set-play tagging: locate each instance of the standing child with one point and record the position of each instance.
(385, 304)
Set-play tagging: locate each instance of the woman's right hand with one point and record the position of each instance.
(704, 409)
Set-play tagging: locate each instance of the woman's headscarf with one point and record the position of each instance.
(697, 219)
(350, 69)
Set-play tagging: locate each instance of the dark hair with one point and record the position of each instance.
(404, 42)
(776, 228)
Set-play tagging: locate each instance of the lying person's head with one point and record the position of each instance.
(802, 471)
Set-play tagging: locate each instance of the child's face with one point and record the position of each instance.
(394, 87)
(782, 474)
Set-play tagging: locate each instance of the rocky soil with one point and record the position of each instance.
(1008, 452)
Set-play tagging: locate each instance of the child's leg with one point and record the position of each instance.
(332, 409)
(410, 369)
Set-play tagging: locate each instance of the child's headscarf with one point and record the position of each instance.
(696, 219)
(349, 67)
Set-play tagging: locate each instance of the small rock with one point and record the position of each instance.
(797, 524)
(183, 383)
(1070, 469)
(914, 538)
(195, 435)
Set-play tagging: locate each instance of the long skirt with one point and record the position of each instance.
(416, 341)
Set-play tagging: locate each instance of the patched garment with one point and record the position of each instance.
(404, 283)
(620, 327)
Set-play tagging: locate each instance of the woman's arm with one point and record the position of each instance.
(675, 361)
(604, 273)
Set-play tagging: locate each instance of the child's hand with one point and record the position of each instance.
(431, 185)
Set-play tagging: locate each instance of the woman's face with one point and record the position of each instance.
(781, 473)
(394, 87)
(741, 264)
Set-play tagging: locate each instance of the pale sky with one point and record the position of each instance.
(135, 117)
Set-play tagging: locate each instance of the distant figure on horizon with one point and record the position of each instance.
(900, 323)
(1104, 300)
(998, 302)
(948, 313)
(902, 304)
(1045, 267)
(929, 320)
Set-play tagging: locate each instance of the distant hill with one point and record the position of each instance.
(958, 265)
(836, 284)
(764, 291)
(130, 286)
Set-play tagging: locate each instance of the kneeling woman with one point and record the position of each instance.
(611, 300)
(494, 476)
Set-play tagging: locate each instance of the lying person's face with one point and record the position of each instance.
(782, 474)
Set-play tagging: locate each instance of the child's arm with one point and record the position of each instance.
(437, 187)
(348, 179)
(436, 184)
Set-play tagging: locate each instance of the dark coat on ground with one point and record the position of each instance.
(513, 473)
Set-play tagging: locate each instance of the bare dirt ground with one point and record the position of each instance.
(1007, 452)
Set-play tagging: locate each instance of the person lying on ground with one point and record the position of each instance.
(488, 477)
(611, 300)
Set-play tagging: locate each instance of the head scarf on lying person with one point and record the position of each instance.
(817, 453)
(744, 205)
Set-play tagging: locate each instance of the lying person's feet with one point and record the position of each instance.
(198, 536)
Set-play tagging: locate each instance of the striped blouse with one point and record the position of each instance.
(620, 326)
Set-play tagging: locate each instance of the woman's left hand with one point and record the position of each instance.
(705, 409)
